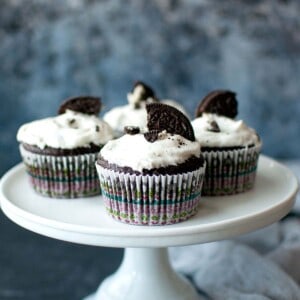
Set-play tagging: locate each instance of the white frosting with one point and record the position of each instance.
(127, 115)
(136, 152)
(67, 131)
(232, 133)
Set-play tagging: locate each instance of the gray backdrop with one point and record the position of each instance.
(50, 50)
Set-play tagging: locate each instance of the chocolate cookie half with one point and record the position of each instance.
(165, 117)
(85, 104)
(220, 102)
(147, 91)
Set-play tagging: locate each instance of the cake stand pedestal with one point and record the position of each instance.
(145, 272)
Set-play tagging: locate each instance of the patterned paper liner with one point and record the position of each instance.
(151, 200)
(230, 172)
(62, 176)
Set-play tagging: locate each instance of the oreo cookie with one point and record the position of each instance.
(220, 102)
(132, 130)
(84, 104)
(147, 91)
(165, 117)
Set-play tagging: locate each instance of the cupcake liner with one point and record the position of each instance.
(150, 200)
(62, 176)
(230, 172)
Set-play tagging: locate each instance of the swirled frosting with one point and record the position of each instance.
(128, 115)
(136, 152)
(230, 133)
(66, 131)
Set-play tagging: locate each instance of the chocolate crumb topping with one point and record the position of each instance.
(152, 135)
(132, 130)
(214, 127)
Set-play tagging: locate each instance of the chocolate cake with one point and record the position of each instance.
(60, 152)
(230, 148)
(153, 177)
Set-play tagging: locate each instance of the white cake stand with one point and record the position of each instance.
(145, 272)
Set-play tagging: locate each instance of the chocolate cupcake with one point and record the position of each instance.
(153, 178)
(230, 148)
(134, 113)
(60, 152)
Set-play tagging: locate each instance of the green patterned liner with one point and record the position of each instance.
(151, 200)
(62, 176)
(230, 172)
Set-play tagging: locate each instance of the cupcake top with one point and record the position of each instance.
(76, 126)
(137, 153)
(215, 125)
(212, 130)
(170, 141)
(134, 113)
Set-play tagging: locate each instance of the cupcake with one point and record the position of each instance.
(59, 152)
(155, 177)
(230, 148)
(134, 113)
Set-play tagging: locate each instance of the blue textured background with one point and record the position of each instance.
(56, 49)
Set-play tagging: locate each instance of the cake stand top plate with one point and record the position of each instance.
(85, 221)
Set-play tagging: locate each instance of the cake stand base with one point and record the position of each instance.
(145, 273)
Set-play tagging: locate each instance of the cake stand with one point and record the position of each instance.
(145, 272)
